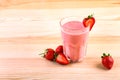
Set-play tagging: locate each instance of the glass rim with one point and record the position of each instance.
(75, 18)
(73, 30)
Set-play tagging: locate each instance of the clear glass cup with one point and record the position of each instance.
(75, 38)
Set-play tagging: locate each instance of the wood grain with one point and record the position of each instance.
(53, 4)
(27, 27)
(42, 22)
(41, 69)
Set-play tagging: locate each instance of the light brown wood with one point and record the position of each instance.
(41, 69)
(27, 27)
(56, 4)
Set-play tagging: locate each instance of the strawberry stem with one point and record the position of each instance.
(104, 54)
(42, 54)
(55, 55)
(101, 56)
(108, 54)
(90, 16)
(46, 50)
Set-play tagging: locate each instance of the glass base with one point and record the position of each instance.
(74, 61)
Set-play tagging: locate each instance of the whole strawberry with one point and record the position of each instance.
(107, 61)
(59, 49)
(49, 54)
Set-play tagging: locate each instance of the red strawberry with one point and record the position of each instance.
(49, 54)
(89, 21)
(59, 49)
(61, 59)
(107, 61)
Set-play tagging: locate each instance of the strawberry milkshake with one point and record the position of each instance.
(75, 36)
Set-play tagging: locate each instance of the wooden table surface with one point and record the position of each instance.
(27, 27)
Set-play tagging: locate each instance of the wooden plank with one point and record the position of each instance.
(45, 22)
(53, 4)
(29, 47)
(39, 68)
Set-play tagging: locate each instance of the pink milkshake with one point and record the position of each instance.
(75, 37)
